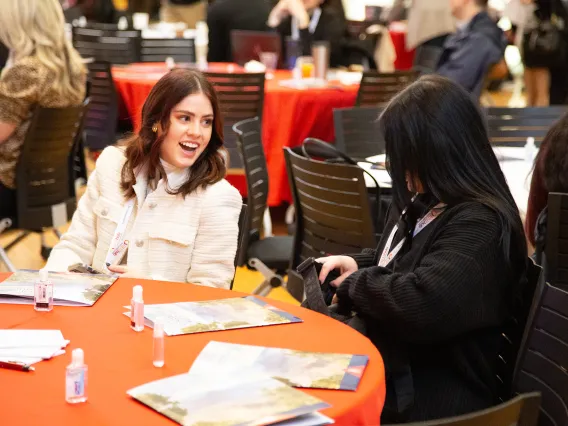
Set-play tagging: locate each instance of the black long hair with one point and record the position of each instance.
(436, 133)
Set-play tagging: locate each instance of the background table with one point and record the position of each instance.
(289, 115)
(120, 359)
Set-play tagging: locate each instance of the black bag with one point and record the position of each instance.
(319, 296)
(545, 45)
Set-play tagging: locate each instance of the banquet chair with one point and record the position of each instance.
(357, 131)
(243, 217)
(543, 360)
(377, 88)
(113, 46)
(241, 96)
(556, 250)
(99, 130)
(512, 126)
(332, 208)
(522, 410)
(158, 49)
(269, 255)
(426, 59)
(45, 196)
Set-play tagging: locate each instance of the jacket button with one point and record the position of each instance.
(139, 243)
(104, 212)
(152, 205)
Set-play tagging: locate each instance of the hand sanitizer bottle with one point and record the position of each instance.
(530, 150)
(76, 378)
(158, 358)
(43, 292)
(137, 309)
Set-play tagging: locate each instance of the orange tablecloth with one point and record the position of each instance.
(289, 116)
(120, 359)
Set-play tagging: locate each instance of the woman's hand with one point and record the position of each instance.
(345, 264)
(298, 11)
(123, 271)
(278, 13)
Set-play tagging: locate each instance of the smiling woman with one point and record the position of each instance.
(162, 190)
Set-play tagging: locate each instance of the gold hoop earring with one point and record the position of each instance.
(155, 128)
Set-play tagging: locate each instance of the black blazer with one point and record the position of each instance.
(331, 27)
(223, 16)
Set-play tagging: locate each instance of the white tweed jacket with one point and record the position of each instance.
(170, 238)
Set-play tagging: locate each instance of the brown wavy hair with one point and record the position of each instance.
(143, 149)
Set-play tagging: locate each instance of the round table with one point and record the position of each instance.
(120, 359)
(289, 115)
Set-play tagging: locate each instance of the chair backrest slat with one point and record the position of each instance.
(241, 96)
(249, 145)
(556, 265)
(543, 364)
(44, 173)
(377, 88)
(331, 202)
(109, 45)
(512, 126)
(357, 131)
(157, 50)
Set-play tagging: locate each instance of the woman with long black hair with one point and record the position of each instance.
(437, 292)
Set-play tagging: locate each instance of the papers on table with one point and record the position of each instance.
(215, 315)
(296, 368)
(304, 83)
(31, 346)
(193, 400)
(68, 289)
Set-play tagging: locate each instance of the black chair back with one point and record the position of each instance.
(243, 218)
(158, 49)
(378, 89)
(44, 178)
(521, 411)
(113, 46)
(515, 329)
(102, 114)
(249, 143)
(543, 362)
(512, 126)
(357, 131)
(241, 96)
(332, 208)
(556, 263)
(247, 45)
(427, 58)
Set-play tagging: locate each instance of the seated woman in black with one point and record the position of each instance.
(437, 292)
(309, 21)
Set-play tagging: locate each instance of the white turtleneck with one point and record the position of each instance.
(176, 176)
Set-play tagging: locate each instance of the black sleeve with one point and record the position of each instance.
(444, 295)
(218, 35)
(331, 28)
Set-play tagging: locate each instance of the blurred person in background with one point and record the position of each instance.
(43, 70)
(309, 21)
(477, 45)
(223, 16)
(187, 11)
(550, 175)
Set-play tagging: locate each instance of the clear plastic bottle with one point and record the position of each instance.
(201, 44)
(530, 150)
(43, 292)
(159, 344)
(137, 309)
(76, 378)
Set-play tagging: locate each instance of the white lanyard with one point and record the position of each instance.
(311, 28)
(118, 244)
(387, 256)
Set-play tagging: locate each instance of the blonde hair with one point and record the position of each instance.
(37, 28)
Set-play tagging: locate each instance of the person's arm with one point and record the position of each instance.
(331, 28)
(212, 261)
(78, 244)
(19, 88)
(468, 65)
(444, 295)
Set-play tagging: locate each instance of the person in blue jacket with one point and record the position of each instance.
(477, 45)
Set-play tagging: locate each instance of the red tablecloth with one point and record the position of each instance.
(120, 359)
(289, 116)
